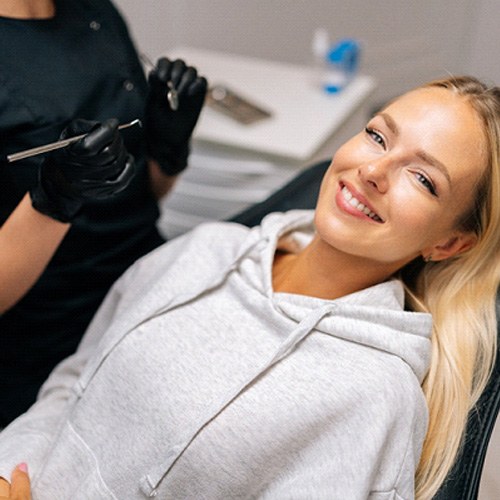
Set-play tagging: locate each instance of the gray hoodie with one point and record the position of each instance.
(196, 381)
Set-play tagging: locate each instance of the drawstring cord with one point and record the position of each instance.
(286, 347)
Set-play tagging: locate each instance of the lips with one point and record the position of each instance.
(362, 206)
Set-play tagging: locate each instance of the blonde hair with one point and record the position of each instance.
(460, 294)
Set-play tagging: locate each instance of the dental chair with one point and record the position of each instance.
(463, 480)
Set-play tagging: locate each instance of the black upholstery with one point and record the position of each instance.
(463, 481)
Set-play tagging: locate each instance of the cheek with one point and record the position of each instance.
(340, 156)
(418, 219)
(412, 222)
(348, 155)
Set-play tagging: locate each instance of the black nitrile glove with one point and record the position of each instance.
(94, 168)
(168, 131)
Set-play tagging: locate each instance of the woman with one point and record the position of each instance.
(64, 60)
(284, 363)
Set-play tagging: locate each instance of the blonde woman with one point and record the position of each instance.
(297, 359)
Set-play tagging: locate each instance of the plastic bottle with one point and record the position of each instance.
(341, 65)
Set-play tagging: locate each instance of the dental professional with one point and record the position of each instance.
(70, 65)
(323, 354)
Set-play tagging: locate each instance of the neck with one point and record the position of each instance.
(322, 271)
(27, 9)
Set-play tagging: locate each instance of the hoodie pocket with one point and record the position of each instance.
(71, 471)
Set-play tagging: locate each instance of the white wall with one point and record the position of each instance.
(484, 49)
(405, 42)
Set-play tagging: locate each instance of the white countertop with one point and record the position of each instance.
(304, 117)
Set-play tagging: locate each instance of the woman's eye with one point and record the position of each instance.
(375, 136)
(426, 183)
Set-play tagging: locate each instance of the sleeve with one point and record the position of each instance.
(30, 437)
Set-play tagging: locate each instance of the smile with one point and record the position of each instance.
(355, 203)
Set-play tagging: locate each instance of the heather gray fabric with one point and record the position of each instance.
(196, 381)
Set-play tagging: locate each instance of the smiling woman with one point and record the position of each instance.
(406, 179)
(326, 354)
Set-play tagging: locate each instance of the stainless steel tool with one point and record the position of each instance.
(27, 153)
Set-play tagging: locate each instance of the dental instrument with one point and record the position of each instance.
(27, 153)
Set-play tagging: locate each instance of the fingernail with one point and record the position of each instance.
(23, 467)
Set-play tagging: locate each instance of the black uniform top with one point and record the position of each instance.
(80, 64)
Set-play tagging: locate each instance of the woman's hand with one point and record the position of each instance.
(19, 487)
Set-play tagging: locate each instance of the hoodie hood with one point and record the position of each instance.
(374, 317)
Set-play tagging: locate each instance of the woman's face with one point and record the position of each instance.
(397, 189)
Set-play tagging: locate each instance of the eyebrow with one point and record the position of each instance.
(434, 162)
(391, 124)
(423, 155)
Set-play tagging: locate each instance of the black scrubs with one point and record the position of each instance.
(81, 64)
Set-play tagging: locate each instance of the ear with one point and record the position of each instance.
(459, 243)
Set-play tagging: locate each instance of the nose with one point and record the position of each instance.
(375, 174)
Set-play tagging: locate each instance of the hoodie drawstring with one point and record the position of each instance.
(150, 483)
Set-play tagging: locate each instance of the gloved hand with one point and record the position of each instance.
(168, 131)
(94, 168)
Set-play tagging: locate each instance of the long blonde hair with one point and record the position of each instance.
(460, 294)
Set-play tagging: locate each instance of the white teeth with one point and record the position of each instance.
(348, 196)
